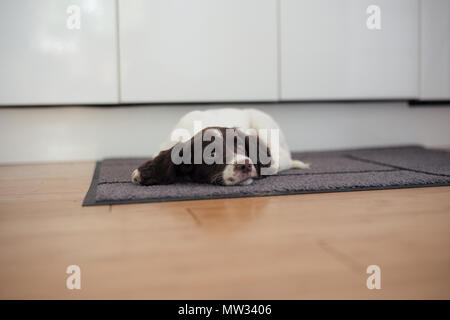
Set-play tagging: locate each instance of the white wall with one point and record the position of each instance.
(222, 50)
(329, 53)
(42, 61)
(198, 50)
(435, 50)
(89, 133)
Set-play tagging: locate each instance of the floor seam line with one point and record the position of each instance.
(347, 260)
(194, 216)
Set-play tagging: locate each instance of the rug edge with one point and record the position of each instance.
(297, 192)
(89, 199)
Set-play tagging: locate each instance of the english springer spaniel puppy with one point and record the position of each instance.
(219, 146)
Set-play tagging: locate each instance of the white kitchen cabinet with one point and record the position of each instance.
(46, 59)
(435, 50)
(198, 50)
(328, 52)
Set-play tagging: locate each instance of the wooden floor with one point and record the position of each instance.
(288, 247)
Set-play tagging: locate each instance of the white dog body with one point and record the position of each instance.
(243, 119)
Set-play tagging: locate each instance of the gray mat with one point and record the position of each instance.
(331, 171)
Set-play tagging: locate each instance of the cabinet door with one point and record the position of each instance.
(328, 51)
(435, 50)
(198, 50)
(58, 52)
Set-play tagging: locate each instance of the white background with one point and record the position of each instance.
(218, 50)
(53, 134)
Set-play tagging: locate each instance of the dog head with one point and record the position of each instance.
(216, 155)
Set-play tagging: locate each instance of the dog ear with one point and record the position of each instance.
(183, 155)
(258, 152)
(159, 170)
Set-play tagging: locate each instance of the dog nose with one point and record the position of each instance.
(136, 176)
(244, 167)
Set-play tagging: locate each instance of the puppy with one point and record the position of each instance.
(221, 146)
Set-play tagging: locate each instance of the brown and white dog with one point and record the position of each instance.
(220, 146)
